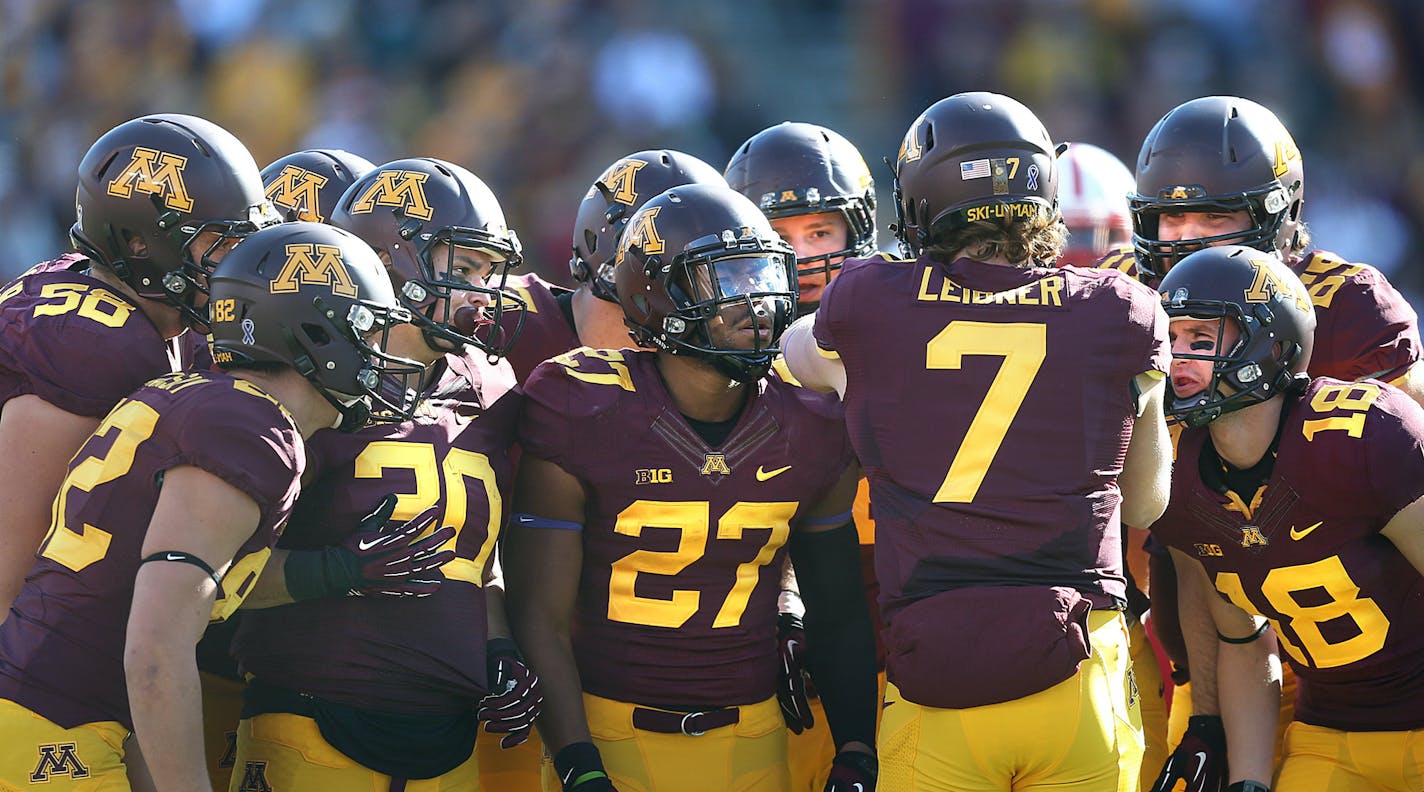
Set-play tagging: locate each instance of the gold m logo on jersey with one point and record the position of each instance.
(405, 189)
(298, 189)
(621, 180)
(58, 759)
(910, 150)
(1267, 280)
(1251, 536)
(314, 264)
(645, 234)
(715, 464)
(154, 172)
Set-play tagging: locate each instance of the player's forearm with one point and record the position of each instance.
(496, 619)
(270, 590)
(1249, 677)
(165, 701)
(550, 653)
(1199, 632)
(806, 363)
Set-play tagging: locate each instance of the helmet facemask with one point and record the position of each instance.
(384, 388)
(1267, 209)
(1256, 367)
(437, 297)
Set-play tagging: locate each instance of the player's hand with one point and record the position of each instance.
(853, 771)
(1200, 759)
(392, 559)
(580, 769)
(514, 697)
(791, 681)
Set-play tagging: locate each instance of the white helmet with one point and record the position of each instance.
(1092, 195)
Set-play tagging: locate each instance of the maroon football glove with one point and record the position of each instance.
(1200, 759)
(381, 557)
(514, 698)
(791, 682)
(853, 771)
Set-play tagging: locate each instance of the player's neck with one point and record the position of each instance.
(308, 407)
(598, 322)
(1243, 437)
(699, 390)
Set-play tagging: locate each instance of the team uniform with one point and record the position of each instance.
(363, 692)
(1001, 560)
(63, 699)
(675, 623)
(548, 317)
(1300, 544)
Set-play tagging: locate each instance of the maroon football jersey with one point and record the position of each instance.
(683, 544)
(1363, 326)
(991, 408)
(1307, 553)
(74, 342)
(394, 654)
(547, 330)
(62, 647)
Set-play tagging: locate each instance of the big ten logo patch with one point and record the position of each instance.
(58, 759)
(652, 476)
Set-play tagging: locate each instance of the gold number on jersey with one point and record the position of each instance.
(97, 305)
(1281, 587)
(132, 422)
(1354, 398)
(1023, 347)
(619, 376)
(692, 520)
(1322, 287)
(432, 479)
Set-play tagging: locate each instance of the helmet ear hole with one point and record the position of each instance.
(316, 333)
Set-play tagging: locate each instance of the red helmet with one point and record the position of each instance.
(797, 169)
(1093, 186)
(698, 252)
(970, 157)
(619, 191)
(307, 185)
(162, 180)
(407, 207)
(1217, 154)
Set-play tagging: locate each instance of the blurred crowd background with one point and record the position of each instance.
(537, 96)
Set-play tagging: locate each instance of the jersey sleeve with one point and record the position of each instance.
(1394, 435)
(827, 315)
(1149, 324)
(245, 439)
(77, 364)
(1365, 327)
(545, 428)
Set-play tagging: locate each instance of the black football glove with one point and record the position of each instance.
(853, 771)
(381, 557)
(1200, 759)
(580, 769)
(514, 697)
(791, 691)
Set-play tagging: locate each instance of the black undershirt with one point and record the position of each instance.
(714, 433)
(565, 301)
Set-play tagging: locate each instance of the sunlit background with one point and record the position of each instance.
(537, 96)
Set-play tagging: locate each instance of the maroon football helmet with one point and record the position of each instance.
(307, 185)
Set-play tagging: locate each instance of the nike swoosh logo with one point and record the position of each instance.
(175, 557)
(859, 787)
(1298, 535)
(763, 475)
(1201, 765)
(367, 544)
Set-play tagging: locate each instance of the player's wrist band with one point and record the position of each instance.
(180, 557)
(1248, 639)
(578, 762)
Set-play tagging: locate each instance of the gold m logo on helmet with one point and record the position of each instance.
(1267, 280)
(1177, 194)
(910, 150)
(399, 188)
(1285, 152)
(621, 180)
(298, 189)
(154, 172)
(645, 233)
(317, 265)
(58, 759)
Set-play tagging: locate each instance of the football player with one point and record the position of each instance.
(159, 199)
(366, 692)
(814, 187)
(646, 547)
(169, 511)
(1093, 186)
(1297, 499)
(998, 541)
(1224, 170)
(557, 320)
(306, 185)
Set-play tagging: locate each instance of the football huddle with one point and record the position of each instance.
(1109, 481)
